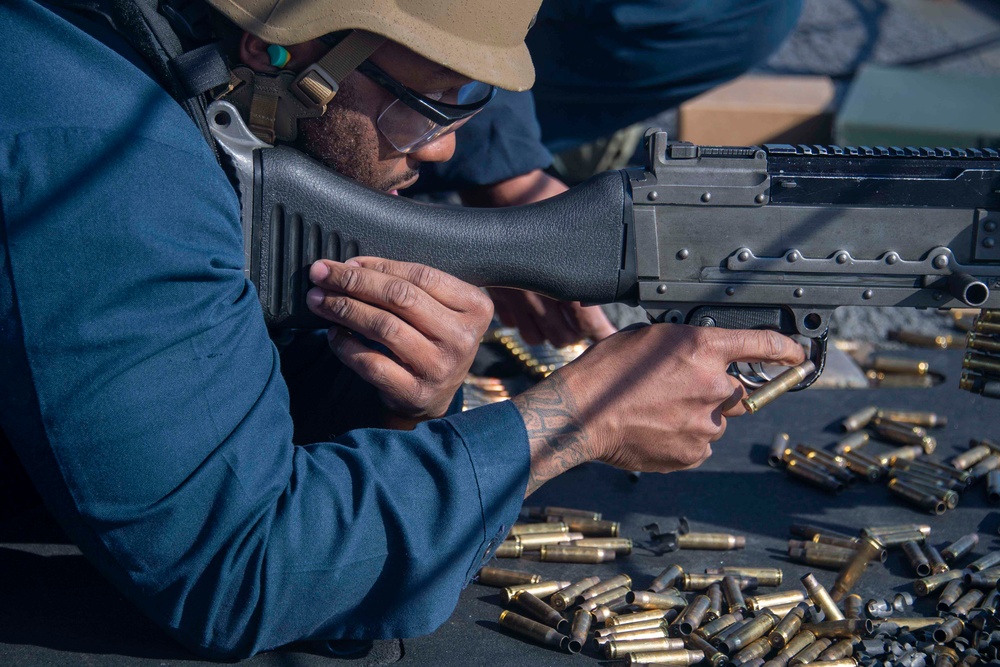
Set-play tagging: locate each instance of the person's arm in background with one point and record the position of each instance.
(500, 161)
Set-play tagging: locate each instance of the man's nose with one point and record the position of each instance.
(440, 150)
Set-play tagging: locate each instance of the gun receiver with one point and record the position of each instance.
(772, 237)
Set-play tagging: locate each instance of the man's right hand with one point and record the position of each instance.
(650, 399)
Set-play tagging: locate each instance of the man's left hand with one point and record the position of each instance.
(430, 324)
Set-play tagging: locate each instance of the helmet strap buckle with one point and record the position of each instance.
(318, 84)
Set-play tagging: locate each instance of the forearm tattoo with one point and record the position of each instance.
(555, 436)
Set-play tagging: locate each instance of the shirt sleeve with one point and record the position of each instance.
(146, 400)
(500, 142)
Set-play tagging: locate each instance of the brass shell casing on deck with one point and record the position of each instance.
(821, 597)
(607, 596)
(711, 541)
(788, 626)
(541, 589)
(859, 419)
(928, 585)
(554, 553)
(579, 630)
(619, 649)
(619, 580)
(667, 578)
(495, 576)
(526, 627)
(567, 597)
(761, 602)
(681, 657)
(869, 548)
(540, 611)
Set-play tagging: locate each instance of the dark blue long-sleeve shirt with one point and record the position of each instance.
(140, 389)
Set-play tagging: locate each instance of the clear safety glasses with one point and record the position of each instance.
(414, 120)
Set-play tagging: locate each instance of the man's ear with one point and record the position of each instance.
(253, 53)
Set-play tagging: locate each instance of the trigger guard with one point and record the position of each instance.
(817, 354)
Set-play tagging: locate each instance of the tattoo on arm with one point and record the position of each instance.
(555, 436)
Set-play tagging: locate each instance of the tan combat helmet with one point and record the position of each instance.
(481, 39)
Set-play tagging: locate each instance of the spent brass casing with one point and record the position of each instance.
(781, 384)
(593, 603)
(579, 630)
(535, 541)
(917, 558)
(711, 541)
(935, 558)
(830, 560)
(922, 499)
(949, 596)
(928, 585)
(713, 656)
(541, 589)
(867, 468)
(526, 627)
(509, 549)
(778, 446)
(732, 594)
(629, 634)
(620, 545)
(837, 651)
(912, 622)
(534, 528)
(696, 581)
(648, 600)
(859, 419)
(756, 649)
(751, 632)
(946, 657)
(925, 477)
(821, 548)
(500, 578)
(815, 475)
(723, 635)
(984, 562)
(619, 580)
(902, 365)
(976, 341)
(651, 615)
(852, 442)
(540, 611)
(666, 579)
(900, 380)
(960, 547)
(788, 626)
(970, 457)
(928, 467)
(904, 434)
(966, 603)
(869, 548)
(554, 553)
(984, 579)
(607, 632)
(821, 597)
(825, 458)
(985, 385)
(949, 630)
(714, 593)
(835, 541)
(713, 628)
(854, 607)
(905, 453)
(921, 419)
(680, 657)
(765, 576)
(950, 498)
(567, 597)
(917, 339)
(592, 527)
(693, 615)
(794, 646)
(984, 467)
(891, 540)
(841, 629)
(762, 602)
(614, 649)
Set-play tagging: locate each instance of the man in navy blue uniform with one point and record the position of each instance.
(243, 496)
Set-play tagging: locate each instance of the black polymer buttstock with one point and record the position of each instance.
(569, 247)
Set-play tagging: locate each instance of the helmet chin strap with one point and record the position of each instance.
(272, 104)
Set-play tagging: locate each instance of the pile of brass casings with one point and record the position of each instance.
(912, 474)
(732, 623)
(981, 374)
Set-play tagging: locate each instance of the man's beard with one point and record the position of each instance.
(347, 141)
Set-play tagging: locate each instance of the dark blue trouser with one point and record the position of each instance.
(606, 64)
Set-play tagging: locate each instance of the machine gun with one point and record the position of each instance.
(772, 237)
